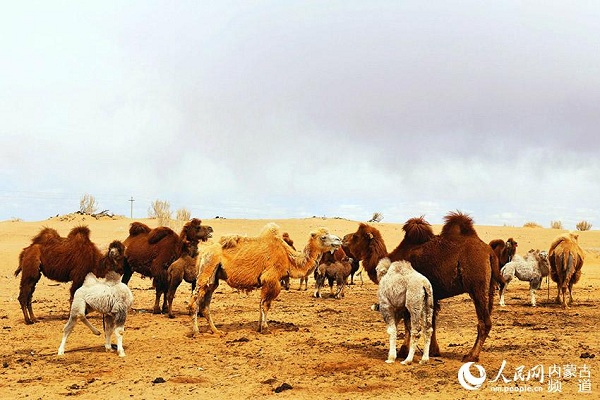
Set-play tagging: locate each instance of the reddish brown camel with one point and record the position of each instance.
(151, 251)
(566, 260)
(505, 251)
(63, 260)
(456, 261)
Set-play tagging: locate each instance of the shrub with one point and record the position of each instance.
(87, 204)
(556, 225)
(531, 225)
(583, 226)
(377, 217)
(162, 211)
(183, 215)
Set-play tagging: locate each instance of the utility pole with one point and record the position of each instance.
(131, 200)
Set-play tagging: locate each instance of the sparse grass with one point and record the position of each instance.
(556, 225)
(531, 225)
(583, 226)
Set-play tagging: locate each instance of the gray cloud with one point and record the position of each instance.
(270, 109)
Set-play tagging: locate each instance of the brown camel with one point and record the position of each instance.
(185, 268)
(248, 263)
(456, 261)
(566, 261)
(505, 251)
(63, 260)
(151, 251)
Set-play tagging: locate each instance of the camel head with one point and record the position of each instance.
(324, 241)
(195, 231)
(116, 256)
(360, 242)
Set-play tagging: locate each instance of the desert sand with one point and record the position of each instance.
(318, 348)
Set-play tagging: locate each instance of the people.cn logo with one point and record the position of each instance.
(467, 379)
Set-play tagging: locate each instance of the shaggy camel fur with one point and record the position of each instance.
(185, 268)
(531, 269)
(110, 297)
(63, 260)
(566, 261)
(285, 281)
(505, 251)
(248, 263)
(456, 261)
(402, 289)
(151, 251)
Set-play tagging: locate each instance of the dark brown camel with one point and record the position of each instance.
(505, 251)
(456, 261)
(151, 251)
(63, 260)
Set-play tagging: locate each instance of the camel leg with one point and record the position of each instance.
(405, 348)
(570, 293)
(109, 327)
(156, 309)
(27, 287)
(391, 319)
(415, 333)
(269, 292)
(66, 332)
(484, 325)
(427, 332)
(89, 325)
(393, 337)
(434, 349)
(174, 283)
(119, 335)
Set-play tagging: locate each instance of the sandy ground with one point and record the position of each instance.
(317, 348)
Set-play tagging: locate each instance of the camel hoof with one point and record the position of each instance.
(171, 316)
(406, 362)
(470, 358)
(424, 361)
(388, 361)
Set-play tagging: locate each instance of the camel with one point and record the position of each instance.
(456, 261)
(63, 260)
(505, 251)
(249, 263)
(151, 251)
(566, 261)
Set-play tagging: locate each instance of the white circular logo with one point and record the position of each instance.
(467, 379)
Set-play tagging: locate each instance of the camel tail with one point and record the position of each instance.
(18, 271)
(568, 266)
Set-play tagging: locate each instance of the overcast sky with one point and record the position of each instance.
(273, 109)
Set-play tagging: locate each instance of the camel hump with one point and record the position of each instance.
(457, 223)
(45, 235)
(231, 241)
(497, 243)
(417, 231)
(158, 234)
(271, 229)
(138, 228)
(82, 231)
